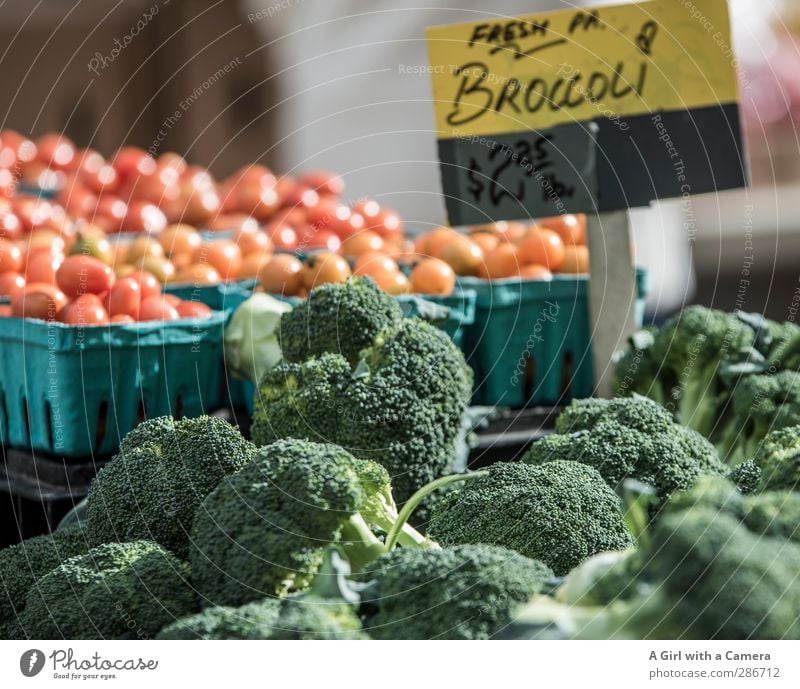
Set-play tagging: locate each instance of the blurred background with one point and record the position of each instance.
(300, 84)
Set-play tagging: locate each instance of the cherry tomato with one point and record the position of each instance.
(535, 272)
(361, 243)
(252, 265)
(22, 146)
(437, 239)
(250, 241)
(463, 255)
(576, 259)
(124, 298)
(148, 284)
(10, 226)
(110, 212)
(199, 274)
(282, 274)
(571, 228)
(283, 235)
(11, 284)
(319, 240)
(485, 240)
(38, 300)
(542, 247)
(323, 182)
(157, 309)
(10, 257)
(87, 309)
(5, 310)
(83, 275)
(56, 151)
(144, 217)
(323, 268)
(193, 309)
(399, 284)
(180, 239)
(502, 262)
(122, 318)
(224, 256)
(172, 299)
(131, 160)
(233, 221)
(380, 267)
(432, 276)
(42, 266)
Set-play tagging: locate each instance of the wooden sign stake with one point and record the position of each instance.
(612, 292)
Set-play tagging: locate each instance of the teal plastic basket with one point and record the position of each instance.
(76, 391)
(530, 343)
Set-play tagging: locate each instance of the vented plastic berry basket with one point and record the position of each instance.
(530, 342)
(76, 391)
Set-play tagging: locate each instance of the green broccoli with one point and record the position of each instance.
(151, 489)
(558, 512)
(693, 347)
(637, 371)
(337, 319)
(746, 475)
(629, 438)
(263, 531)
(778, 458)
(22, 564)
(464, 592)
(115, 591)
(759, 404)
(401, 406)
(251, 621)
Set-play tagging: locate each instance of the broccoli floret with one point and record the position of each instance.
(315, 618)
(746, 476)
(629, 438)
(760, 404)
(558, 512)
(22, 564)
(402, 406)
(115, 591)
(337, 319)
(778, 458)
(263, 531)
(693, 346)
(715, 579)
(464, 592)
(152, 488)
(252, 621)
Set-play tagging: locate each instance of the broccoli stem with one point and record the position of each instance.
(698, 409)
(359, 543)
(385, 516)
(393, 537)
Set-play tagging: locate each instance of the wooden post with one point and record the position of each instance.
(612, 292)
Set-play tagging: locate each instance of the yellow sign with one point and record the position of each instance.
(514, 74)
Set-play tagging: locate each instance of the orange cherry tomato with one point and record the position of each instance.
(432, 276)
(124, 298)
(513, 232)
(193, 309)
(157, 309)
(371, 261)
(10, 256)
(11, 284)
(571, 228)
(361, 243)
(38, 300)
(283, 235)
(223, 255)
(282, 274)
(253, 241)
(437, 239)
(485, 240)
(535, 272)
(323, 268)
(576, 260)
(87, 309)
(42, 266)
(252, 264)
(397, 284)
(81, 274)
(179, 239)
(503, 262)
(199, 274)
(464, 256)
(542, 247)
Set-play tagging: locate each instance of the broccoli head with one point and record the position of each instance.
(759, 404)
(629, 438)
(337, 319)
(746, 475)
(557, 512)
(115, 591)
(713, 578)
(464, 592)
(152, 487)
(251, 621)
(315, 618)
(401, 406)
(263, 531)
(778, 458)
(22, 564)
(637, 371)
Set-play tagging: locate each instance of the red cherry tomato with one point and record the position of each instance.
(11, 284)
(38, 300)
(144, 217)
(42, 266)
(193, 309)
(82, 274)
(56, 151)
(131, 160)
(124, 298)
(149, 286)
(157, 309)
(10, 226)
(283, 236)
(24, 148)
(87, 309)
(323, 182)
(312, 239)
(172, 299)
(10, 256)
